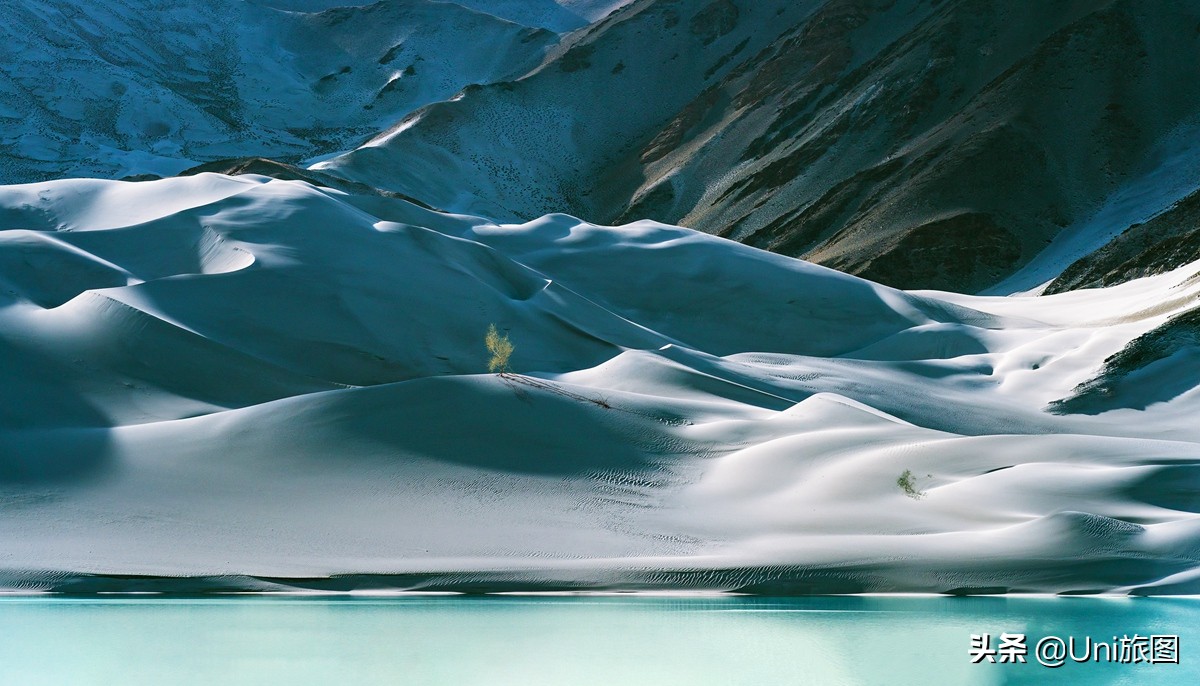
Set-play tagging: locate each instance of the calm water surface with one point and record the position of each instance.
(571, 640)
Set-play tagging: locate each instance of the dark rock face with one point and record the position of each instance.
(1154, 367)
(874, 120)
(965, 252)
(1166, 242)
(714, 21)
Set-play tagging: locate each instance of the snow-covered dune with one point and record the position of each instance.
(215, 382)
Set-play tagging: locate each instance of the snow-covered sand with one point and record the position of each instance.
(215, 382)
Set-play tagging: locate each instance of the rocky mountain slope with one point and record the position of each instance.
(556, 15)
(124, 88)
(918, 143)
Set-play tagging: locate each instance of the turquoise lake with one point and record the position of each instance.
(826, 641)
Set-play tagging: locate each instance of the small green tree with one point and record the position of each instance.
(500, 348)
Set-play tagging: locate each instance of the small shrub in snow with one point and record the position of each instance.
(908, 483)
(500, 348)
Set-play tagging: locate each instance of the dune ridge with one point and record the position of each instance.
(257, 384)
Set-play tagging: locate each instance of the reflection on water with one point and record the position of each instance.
(570, 640)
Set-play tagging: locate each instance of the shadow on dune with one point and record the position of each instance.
(489, 424)
(1176, 487)
(53, 455)
(48, 430)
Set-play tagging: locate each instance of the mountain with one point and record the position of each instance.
(917, 143)
(556, 136)
(221, 383)
(557, 15)
(127, 88)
